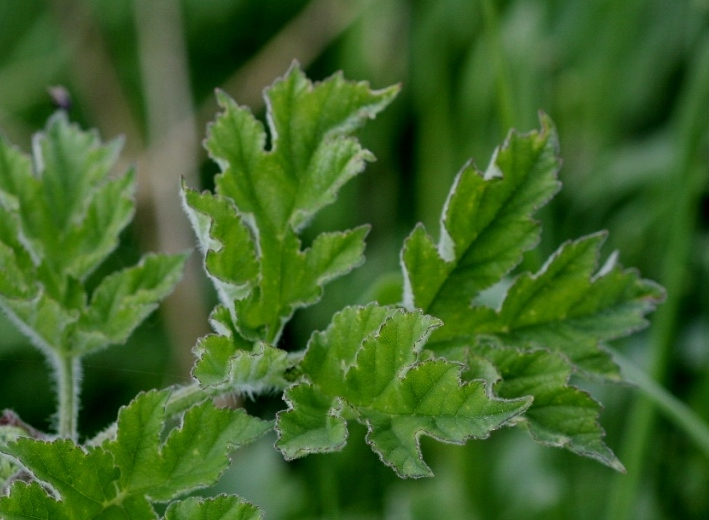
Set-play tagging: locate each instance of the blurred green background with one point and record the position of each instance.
(626, 82)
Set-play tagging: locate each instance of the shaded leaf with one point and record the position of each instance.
(560, 415)
(222, 507)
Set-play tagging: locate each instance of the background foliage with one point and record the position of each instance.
(627, 84)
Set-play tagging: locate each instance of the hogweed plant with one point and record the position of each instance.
(442, 363)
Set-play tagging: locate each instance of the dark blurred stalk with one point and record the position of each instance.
(690, 179)
(173, 153)
(505, 101)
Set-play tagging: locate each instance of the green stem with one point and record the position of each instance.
(505, 102)
(680, 234)
(674, 409)
(68, 372)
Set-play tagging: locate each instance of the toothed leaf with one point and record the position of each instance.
(561, 415)
(62, 212)
(121, 477)
(367, 366)
(486, 224)
(224, 363)
(569, 307)
(265, 197)
(192, 456)
(566, 311)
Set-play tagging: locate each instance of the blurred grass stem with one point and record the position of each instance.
(691, 176)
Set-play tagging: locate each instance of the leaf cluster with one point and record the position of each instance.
(442, 363)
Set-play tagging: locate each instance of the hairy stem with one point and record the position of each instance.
(68, 372)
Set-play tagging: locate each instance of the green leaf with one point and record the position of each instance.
(222, 507)
(121, 477)
(249, 230)
(561, 415)
(31, 502)
(193, 456)
(69, 211)
(485, 227)
(61, 214)
(226, 364)
(569, 306)
(367, 366)
(557, 319)
(124, 299)
(82, 477)
(227, 244)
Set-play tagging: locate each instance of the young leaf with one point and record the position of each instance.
(367, 366)
(61, 217)
(264, 197)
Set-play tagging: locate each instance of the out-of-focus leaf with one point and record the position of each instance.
(222, 507)
(124, 299)
(61, 213)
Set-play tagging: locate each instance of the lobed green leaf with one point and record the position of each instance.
(569, 307)
(191, 457)
(486, 224)
(83, 478)
(121, 477)
(560, 415)
(557, 319)
(249, 230)
(367, 366)
(61, 214)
